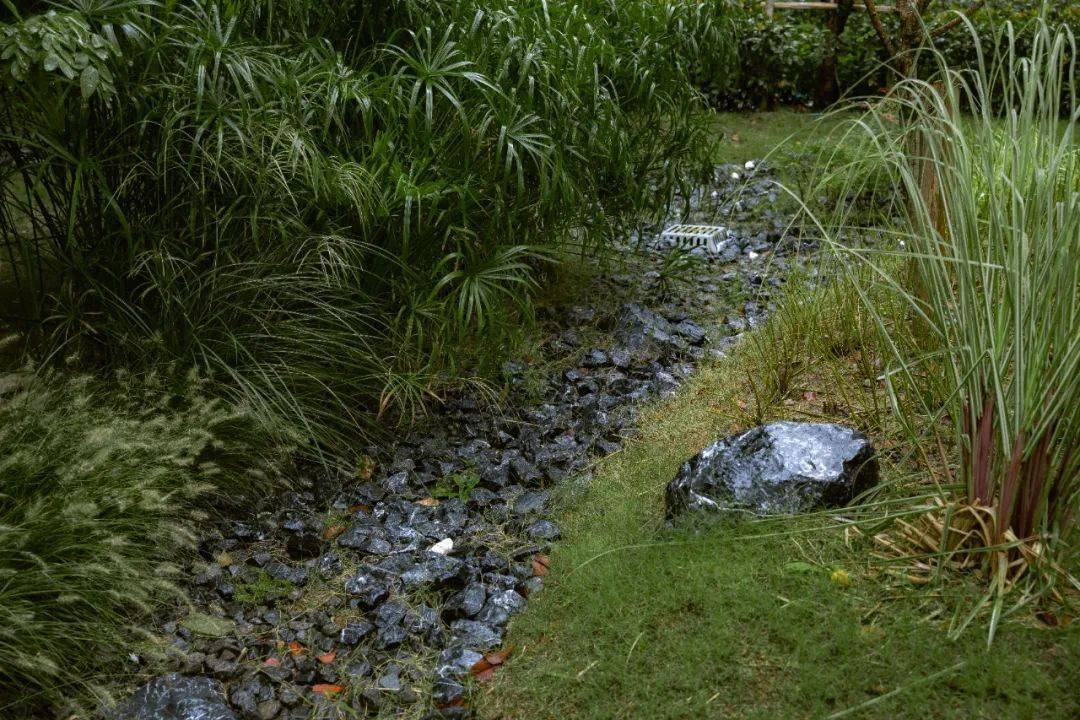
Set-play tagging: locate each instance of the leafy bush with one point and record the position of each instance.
(98, 498)
(333, 207)
(779, 58)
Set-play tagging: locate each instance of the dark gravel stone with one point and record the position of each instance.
(281, 571)
(471, 633)
(532, 501)
(543, 530)
(500, 606)
(595, 358)
(390, 636)
(433, 569)
(691, 331)
(176, 697)
(390, 613)
(396, 484)
(368, 590)
(780, 468)
(354, 630)
(466, 603)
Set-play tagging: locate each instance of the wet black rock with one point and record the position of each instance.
(176, 697)
(543, 530)
(780, 468)
(354, 630)
(500, 606)
(475, 634)
(466, 603)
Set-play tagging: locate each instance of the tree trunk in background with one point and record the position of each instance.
(828, 87)
(909, 37)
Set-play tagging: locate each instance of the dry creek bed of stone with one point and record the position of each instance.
(363, 597)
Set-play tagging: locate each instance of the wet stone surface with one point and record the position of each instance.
(779, 468)
(357, 595)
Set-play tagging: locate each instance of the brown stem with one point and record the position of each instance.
(875, 20)
(982, 452)
(970, 9)
(1009, 484)
(828, 92)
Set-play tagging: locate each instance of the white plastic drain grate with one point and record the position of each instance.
(695, 235)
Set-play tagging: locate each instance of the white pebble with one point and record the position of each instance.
(443, 547)
(752, 255)
(734, 176)
(749, 165)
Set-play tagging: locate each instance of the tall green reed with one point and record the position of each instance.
(985, 251)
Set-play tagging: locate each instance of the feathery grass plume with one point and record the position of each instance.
(985, 251)
(98, 499)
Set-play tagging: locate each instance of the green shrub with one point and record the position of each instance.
(99, 496)
(335, 207)
(779, 58)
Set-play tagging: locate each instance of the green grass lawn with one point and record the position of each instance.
(752, 136)
(639, 621)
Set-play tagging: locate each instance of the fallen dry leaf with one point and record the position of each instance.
(332, 531)
(499, 657)
(326, 658)
(271, 662)
(365, 467)
(326, 689)
(480, 666)
(428, 502)
(296, 648)
(359, 507)
(485, 675)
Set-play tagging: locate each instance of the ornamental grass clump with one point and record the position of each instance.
(101, 492)
(986, 253)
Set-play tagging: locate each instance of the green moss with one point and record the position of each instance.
(263, 589)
